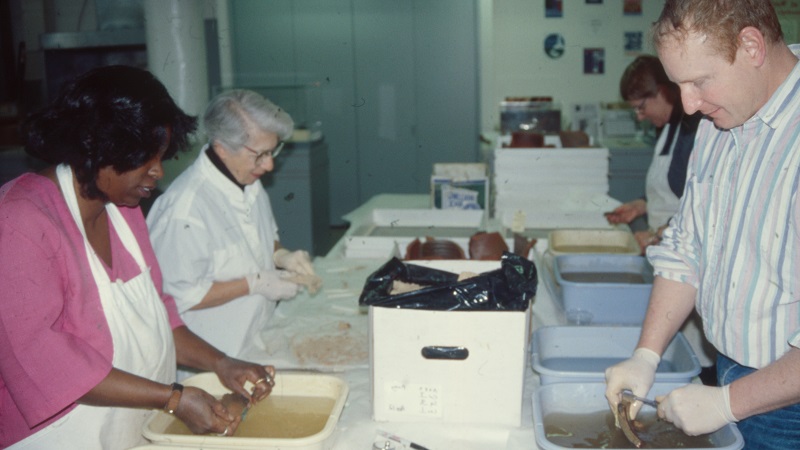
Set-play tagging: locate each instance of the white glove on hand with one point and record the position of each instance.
(272, 285)
(297, 261)
(697, 409)
(636, 373)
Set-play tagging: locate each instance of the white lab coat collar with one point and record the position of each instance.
(218, 179)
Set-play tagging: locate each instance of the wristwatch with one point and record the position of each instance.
(174, 399)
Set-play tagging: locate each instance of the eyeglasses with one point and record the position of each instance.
(266, 153)
(639, 109)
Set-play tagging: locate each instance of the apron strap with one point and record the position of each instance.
(65, 180)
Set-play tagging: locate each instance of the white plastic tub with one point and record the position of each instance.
(286, 384)
(581, 354)
(387, 232)
(571, 242)
(587, 398)
(614, 300)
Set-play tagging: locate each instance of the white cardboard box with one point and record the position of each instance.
(484, 388)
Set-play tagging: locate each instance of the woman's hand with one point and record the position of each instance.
(204, 414)
(645, 239)
(234, 373)
(626, 212)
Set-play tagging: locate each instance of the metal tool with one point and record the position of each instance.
(628, 395)
(403, 441)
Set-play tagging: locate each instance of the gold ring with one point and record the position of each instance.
(260, 380)
(224, 433)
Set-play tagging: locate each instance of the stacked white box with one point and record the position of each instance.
(552, 187)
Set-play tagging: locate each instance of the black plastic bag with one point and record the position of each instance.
(509, 288)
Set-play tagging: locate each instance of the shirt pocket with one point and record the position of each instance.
(232, 262)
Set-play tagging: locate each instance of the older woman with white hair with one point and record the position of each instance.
(214, 233)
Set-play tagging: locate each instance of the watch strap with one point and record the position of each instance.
(174, 398)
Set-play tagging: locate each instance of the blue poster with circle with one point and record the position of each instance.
(554, 45)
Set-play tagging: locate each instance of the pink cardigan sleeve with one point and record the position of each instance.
(54, 340)
(55, 345)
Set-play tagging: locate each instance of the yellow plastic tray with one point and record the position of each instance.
(288, 384)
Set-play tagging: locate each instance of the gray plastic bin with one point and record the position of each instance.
(582, 354)
(584, 398)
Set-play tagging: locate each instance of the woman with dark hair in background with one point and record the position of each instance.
(88, 340)
(646, 87)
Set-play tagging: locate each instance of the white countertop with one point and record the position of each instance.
(328, 332)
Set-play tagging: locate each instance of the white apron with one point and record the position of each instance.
(143, 345)
(662, 203)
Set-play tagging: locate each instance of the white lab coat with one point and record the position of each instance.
(204, 228)
(662, 203)
(143, 345)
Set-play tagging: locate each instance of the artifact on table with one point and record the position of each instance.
(626, 424)
(487, 246)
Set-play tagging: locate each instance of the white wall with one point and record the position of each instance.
(514, 62)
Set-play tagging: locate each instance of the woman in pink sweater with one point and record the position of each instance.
(88, 340)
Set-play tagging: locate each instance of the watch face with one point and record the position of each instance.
(554, 45)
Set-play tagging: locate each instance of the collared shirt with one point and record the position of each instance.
(736, 237)
(55, 344)
(204, 228)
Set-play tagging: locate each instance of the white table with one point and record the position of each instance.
(328, 332)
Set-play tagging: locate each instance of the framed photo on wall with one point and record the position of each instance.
(633, 42)
(632, 7)
(553, 8)
(594, 61)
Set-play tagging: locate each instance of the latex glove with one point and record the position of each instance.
(697, 409)
(636, 373)
(312, 283)
(297, 261)
(272, 285)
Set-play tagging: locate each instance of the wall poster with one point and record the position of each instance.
(554, 45)
(594, 60)
(553, 8)
(633, 42)
(632, 7)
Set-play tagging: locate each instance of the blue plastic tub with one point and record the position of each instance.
(604, 289)
(583, 398)
(581, 354)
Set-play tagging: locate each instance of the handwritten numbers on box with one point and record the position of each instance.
(414, 399)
